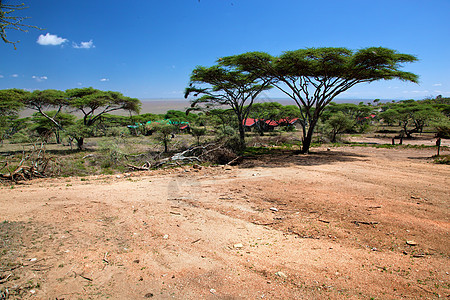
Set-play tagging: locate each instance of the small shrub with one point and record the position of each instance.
(20, 137)
(226, 130)
(443, 160)
(233, 143)
(111, 153)
(117, 131)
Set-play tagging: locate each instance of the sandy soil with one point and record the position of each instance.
(350, 223)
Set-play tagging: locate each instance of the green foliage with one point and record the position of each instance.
(10, 21)
(226, 131)
(11, 101)
(198, 132)
(442, 160)
(44, 127)
(144, 118)
(93, 103)
(442, 128)
(412, 115)
(79, 132)
(338, 123)
(221, 118)
(117, 131)
(233, 143)
(313, 77)
(20, 137)
(163, 132)
(180, 116)
(111, 152)
(226, 84)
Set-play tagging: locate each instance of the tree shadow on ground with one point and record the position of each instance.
(49, 151)
(286, 158)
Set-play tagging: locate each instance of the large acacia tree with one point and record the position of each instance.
(313, 77)
(93, 103)
(225, 84)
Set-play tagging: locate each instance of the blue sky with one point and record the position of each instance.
(147, 49)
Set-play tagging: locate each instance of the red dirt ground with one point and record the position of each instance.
(350, 223)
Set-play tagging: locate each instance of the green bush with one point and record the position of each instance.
(226, 131)
(111, 154)
(442, 128)
(117, 131)
(233, 143)
(20, 137)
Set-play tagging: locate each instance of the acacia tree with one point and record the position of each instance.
(9, 21)
(411, 115)
(313, 77)
(44, 127)
(10, 105)
(225, 84)
(93, 103)
(43, 101)
(337, 124)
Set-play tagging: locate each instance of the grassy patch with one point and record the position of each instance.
(442, 159)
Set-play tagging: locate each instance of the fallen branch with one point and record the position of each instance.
(364, 222)
(6, 279)
(84, 277)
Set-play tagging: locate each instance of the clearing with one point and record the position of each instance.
(353, 222)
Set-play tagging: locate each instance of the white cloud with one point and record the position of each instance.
(84, 45)
(104, 79)
(50, 39)
(39, 78)
(14, 75)
(437, 84)
(1, 76)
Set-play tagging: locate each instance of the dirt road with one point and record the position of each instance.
(350, 223)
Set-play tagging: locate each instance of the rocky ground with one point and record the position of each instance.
(349, 223)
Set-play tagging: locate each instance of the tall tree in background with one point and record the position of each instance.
(225, 84)
(93, 103)
(313, 77)
(9, 21)
(43, 101)
(10, 105)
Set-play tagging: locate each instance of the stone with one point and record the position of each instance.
(274, 209)
(411, 243)
(238, 246)
(281, 274)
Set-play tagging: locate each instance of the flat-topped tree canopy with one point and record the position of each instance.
(226, 84)
(45, 100)
(313, 77)
(90, 100)
(11, 101)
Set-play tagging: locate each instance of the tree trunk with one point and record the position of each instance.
(241, 136)
(57, 137)
(333, 136)
(165, 145)
(307, 139)
(80, 142)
